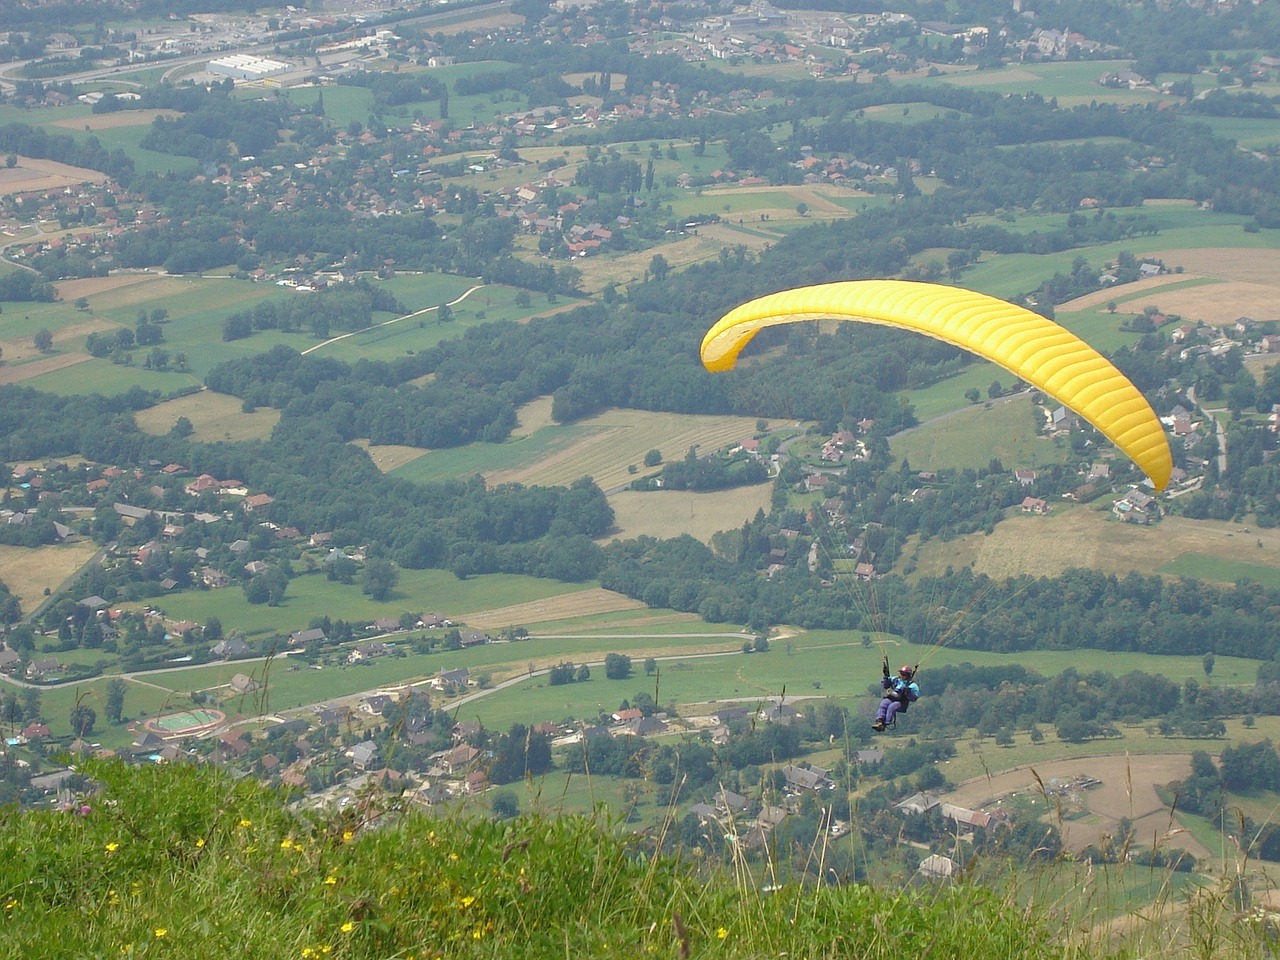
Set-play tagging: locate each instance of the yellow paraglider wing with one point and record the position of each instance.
(1031, 347)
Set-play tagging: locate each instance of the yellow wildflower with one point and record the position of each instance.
(286, 843)
(308, 952)
(200, 843)
(330, 881)
(161, 932)
(11, 904)
(112, 847)
(453, 856)
(467, 901)
(246, 823)
(722, 933)
(347, 835)
(348, 926)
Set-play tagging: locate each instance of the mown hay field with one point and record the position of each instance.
(601, 447)
(1094, 539)
(119, 118)
(215, 416)
(671, 513)
(583, 603)
(28, 571)
(28, 173)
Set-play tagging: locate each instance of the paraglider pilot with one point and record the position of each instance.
(899, 693)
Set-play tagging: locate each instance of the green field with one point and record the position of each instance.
(198, 306)
(144, 161)
(313, 596)
(1070, 83)
(483, 457)
(21, 320)
(1259, 134)
(342, 103)
(405, 336)
(1220, 570)
(109, 379)
(916, 112)
(1005, 429)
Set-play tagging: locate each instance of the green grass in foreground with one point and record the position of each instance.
(183, 861)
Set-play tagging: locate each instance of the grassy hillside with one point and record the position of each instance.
(181, 861)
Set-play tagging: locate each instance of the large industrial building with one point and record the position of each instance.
(241, 66)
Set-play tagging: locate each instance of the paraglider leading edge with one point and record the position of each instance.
(1031, 347)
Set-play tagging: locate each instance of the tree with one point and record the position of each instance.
(213, 629)
(994, 390)
(379, 577)
(444, 313)
(82, 303)
(523, 300)
(802, 208)
(505, 805)
(43, 340)
(972, 395)
(1207, 662)
(650, 666)
(115, 699)
(617, 666)
(659, 268)
(83, 718)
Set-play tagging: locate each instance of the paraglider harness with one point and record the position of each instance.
(891, 693)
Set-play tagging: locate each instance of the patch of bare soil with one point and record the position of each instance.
(1099, 297)
(730, 234)
(31, 174)
(1218, 303)
(121, 118)
(581, 604)
(495, 22)
(1225, 263)
(72, 290)
(10, 373)
(386, 456)
(533, 416)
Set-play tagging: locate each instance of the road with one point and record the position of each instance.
(1221, 431)
(385, 323)
(10, 73)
